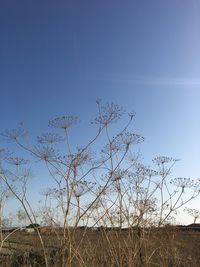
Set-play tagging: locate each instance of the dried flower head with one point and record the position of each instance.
(109, 113)
(54, 192)
(183, 182)
(118, 175)
(15, 134)
(46, 153)
(197, 186)
(64, 122)
(46, 192)
(17, 161)
(82, 187)
(49, 138)
(131, 138)
(114, 146)
(131, 114)
(79, 158)
(144, 170)
(163, 159)
(194, 213)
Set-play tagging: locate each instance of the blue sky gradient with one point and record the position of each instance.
(58, 57)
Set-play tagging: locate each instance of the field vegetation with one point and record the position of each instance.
(102, 205)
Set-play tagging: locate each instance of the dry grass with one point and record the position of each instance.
(160, 247)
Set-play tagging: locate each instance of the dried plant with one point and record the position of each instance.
(98, 186)
(49, 138)
(64, 122)
(108, 114)
(194, 213)
(17, 161)
(45, 152)
(15, 134)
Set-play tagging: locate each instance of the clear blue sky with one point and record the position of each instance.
(57, 57)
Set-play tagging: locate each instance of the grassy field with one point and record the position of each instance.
(159, 247)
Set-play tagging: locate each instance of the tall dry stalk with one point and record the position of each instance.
(102, 186)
